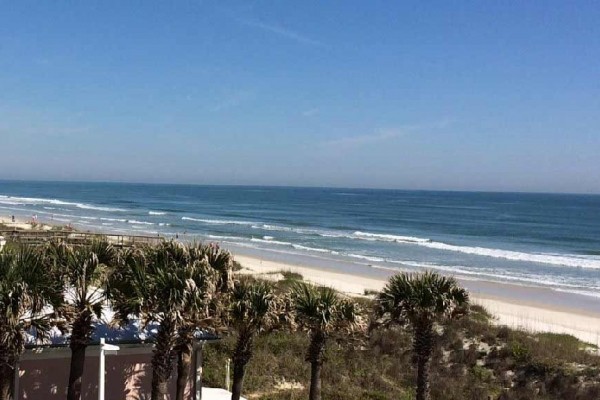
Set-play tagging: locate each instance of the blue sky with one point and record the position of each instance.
(416, 95)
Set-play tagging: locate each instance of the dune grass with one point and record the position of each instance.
(473, 360)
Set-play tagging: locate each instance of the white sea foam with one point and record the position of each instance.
(268, 237)
(522, 279)
(368, 258)
(301, 231)
(332, 235)
(135, 222)
(270, 241)
(389, 238)
(220, 237)
(217, 221)
(317, 249)
(575, 261)
(14, 200)
(268, 227)
(156, 213)
(114, 219)
(567, 260)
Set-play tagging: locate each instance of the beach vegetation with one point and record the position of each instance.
(323, 313)
(29, 296)
(158, 285)
(85, 271)
(421, 301)
(253, 309)
(206, 307)
(288, 339)
(291, 276)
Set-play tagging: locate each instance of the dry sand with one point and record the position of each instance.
(519, 315)
(21, 223)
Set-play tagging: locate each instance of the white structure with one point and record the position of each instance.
(217, 394)
(104, 349)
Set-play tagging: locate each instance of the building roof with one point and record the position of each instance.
(132, 332)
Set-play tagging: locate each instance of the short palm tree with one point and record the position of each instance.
(158, 285)
(209, 316)
(29, 294)
(221, 261)
(322, 312)
(253, 308)
(85, 270)
(421, 301)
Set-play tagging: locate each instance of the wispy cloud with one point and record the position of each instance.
(24, 122)
(384, 135)
(230, 101)
(282, 32)
(379, 136)
(311, 112)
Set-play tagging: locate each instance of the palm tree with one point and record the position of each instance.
(205, 318)
(322, 312)
(85, 270)
(159, 285)
(29, 294)
(253, 308)
(421, 301)
(221, 261)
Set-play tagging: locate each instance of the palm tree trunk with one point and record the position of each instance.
(6, 379)
(423, 378)
(315, 357)
(184, 363)
(423, 347)
(76, 371)
(9, 357)
(82, 330)
(315, 381)
(239, 371)
(241, 357)
(160, 379)
(162, 360)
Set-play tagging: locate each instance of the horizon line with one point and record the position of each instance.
(274, 186)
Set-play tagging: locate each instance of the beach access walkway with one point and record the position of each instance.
(36, 237)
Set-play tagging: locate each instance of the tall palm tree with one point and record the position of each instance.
(85, 270)
(210, 317)
(159, 285)
(253, 308)
(29, 294)
(322, 312)
(421, 301)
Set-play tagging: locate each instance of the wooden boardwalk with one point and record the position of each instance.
(36, 237)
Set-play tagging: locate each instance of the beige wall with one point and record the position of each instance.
(44, 376)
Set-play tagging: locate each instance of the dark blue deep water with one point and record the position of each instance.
(532, 239)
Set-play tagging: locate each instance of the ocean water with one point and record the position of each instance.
(547, 240)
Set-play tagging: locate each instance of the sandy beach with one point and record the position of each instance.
(21, 223)
(512, 312)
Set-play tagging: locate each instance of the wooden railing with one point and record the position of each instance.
(39, 237)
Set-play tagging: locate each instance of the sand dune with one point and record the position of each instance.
(532, 318)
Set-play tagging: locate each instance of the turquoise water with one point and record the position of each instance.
(547, 240)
